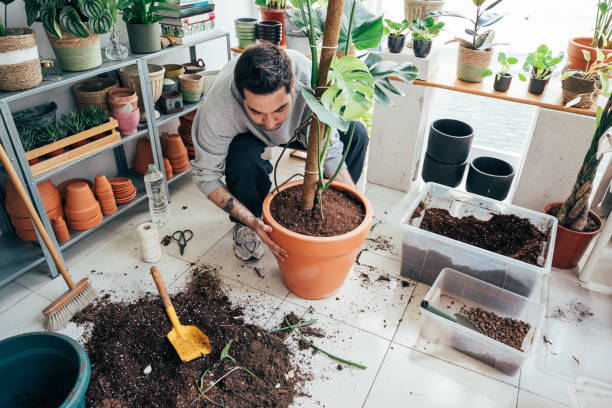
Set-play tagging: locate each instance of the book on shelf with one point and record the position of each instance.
(187, 11)
(191, 30)
(198, 18)
(187, 3)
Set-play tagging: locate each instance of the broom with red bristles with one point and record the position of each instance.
(79, 295)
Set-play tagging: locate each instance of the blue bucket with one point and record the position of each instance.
(43, 369)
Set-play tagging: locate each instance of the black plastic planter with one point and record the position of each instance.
(396, 43)
(536, 86)
(502, 83)
(490, 177)
(421, 48)
(446, 174)
(450, 141)
(35, 115)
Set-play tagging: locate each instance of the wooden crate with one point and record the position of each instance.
(111, 137)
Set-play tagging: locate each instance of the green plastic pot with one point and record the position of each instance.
(43, 369)
(144, 38)
(192, 96)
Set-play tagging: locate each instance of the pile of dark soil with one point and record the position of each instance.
(509, 331)
(592, 222)
(342, 213)
(507, 235)
(128, 337)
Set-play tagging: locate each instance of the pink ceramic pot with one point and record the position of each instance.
(128, 122)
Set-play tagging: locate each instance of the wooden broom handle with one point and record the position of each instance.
(161, 287)
(34, 215)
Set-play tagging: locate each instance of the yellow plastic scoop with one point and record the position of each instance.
(188, 341)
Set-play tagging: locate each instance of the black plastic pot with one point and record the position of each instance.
(396, 43)
(450, 141)
(536, 86)
(35, 115)
(269, 30)
(441, 173)
(421, 48)
(490, 177)
(502, 83)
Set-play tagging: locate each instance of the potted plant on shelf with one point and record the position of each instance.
(342, 89)
(142, 22)
(503, 78)
(19, 51)
(73, 28)
(414, 9)
(600, 39)
(581, 87)
(274, 10)
(540, 65)
(423, 33)
(577, 225)
(396, 39)
(474, 56)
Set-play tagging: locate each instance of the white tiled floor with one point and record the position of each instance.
(372, 321)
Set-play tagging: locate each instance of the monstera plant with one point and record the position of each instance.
(71, 16)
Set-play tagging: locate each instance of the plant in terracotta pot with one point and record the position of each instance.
(600, 39)
(142, 22)
(475, 55)
(540, 65)
(581, 87)
(395, 32)
(423, 33)
(503, 78)
(577, 225)
(73, 28)
(274, 10)
(342, 89)
(19, 51)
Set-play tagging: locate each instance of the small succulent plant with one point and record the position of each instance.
(92, 116)
(73, 123)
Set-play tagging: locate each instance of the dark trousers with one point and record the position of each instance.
(248, 175)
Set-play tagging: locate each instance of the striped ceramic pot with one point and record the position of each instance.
(19, 60)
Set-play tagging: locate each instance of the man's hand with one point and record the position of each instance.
(263, 231)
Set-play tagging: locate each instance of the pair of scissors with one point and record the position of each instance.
(182, 237)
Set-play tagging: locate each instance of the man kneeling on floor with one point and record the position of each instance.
(256, 102)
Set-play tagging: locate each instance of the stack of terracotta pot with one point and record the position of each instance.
(143, 156)
(123, 103)
(60, 229)
(176, 152)
(123, 189)
(18, 212)
(168, 168)
(185, 131)
(63, 186)
(106, 197)
(82, 209)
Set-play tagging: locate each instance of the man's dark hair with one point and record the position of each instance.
(262, 69)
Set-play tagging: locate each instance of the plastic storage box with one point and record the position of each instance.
(425, 253)
(453, 290)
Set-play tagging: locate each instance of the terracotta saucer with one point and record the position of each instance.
(127, 199)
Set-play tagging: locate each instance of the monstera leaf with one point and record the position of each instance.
(351, 90)
(382, 70)
(71, 22)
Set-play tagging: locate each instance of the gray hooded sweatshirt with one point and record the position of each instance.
(222, 116)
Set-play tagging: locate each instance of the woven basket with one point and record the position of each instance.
(574, 87)
(19, 61)
(414, 9)
(76, 53)
(471, 63)
(94, 92)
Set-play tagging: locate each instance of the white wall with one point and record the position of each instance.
(214, 54)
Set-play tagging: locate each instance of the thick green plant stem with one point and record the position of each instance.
(312, 38)
(341, 360)
(350, 28)
(346, 150)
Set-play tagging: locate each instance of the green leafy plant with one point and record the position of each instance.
(484, 18)
(505, 63)
(73, 123)
(72, 15)
(597, 69)
(603, 24)
(540, 63)
(92, 116)
(3, 26)
(425, 29)
(272, 4)
(49, 132)
(141, 11)
(395, 29)
(29, 138)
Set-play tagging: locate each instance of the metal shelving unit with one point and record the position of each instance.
(17, 256)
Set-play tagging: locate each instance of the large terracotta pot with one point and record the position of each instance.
(570, 245)
(275, 15)
(316, 267)
(574, 52)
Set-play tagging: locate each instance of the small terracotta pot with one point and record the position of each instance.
(128, 122)
(79, 197)
(275, 15)
(575, 57)
(316, 267)
(33, 161)
(104, 192)
(60, 229)
(168, 168)
(63, 186)
(143, 156)
(26, 235)
(175, 148)
(122, 100)
(570, 245)
(56, 152)
(80, 143)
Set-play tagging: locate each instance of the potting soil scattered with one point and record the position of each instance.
(507, 235)
(127, 338)
(509, 331)
(341, 213)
